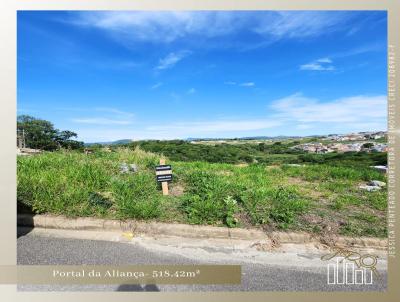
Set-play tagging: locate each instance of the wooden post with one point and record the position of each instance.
(164, 184)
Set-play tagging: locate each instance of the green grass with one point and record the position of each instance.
(313, 198)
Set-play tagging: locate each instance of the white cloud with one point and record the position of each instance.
(210, 128)
(373, 47)
(323, 64)
(100, 121)
(110, 116)
(302, 24)
(348, 110)
(156, 85)
(247, 84)
(244, 84)
(171, 59)
(114, 111)
(324, 60)
(104, 134)
(316, 66)
(191, 91)
(295, 114)
(160, 26)
(304, 126)
(188, 128)
(168, 26)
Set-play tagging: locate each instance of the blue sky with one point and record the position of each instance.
(111, 75)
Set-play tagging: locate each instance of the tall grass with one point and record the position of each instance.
(328, 172)
(72, 183)
(75, 184)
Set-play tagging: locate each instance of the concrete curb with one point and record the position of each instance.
(190, 231)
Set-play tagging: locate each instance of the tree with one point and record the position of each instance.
(63, 138)
(41, 134)
(65, 135)
(262, 147)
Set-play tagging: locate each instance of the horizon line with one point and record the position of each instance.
(234, 137)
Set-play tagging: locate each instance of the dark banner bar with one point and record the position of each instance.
(122, 274)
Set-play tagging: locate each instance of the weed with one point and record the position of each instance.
(230, 211)
(286, 205)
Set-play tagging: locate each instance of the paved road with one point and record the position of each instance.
(37, 249)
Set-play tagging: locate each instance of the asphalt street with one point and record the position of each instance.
(34, 249)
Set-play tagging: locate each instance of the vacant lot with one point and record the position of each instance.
(268, 153)
(318, 197)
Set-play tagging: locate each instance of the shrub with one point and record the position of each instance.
(203, 211)
(204, 201)
(136, 196)
(286, 205)
(230, 211)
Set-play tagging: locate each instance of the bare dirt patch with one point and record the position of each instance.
(308, 188)
(244, 219)
(329, 226)
(224, 173)
(177, 190)
(272, 167)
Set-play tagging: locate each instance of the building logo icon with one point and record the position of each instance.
(345, 272)
(351, 268)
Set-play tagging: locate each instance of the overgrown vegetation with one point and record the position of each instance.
(273, 153)
(321, 197)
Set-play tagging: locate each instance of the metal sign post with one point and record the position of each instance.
(164, 175)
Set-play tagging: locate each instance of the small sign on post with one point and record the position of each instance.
(164, 175)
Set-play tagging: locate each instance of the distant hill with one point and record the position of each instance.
(118, 142)
(190, 139)
(243, 138)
